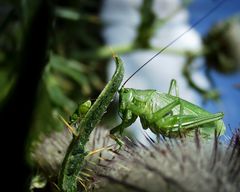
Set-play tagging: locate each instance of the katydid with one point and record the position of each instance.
(165, 113)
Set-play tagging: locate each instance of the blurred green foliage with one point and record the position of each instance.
(66, 80)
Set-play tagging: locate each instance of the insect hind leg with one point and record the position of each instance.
(166, 112)
(161, 113)
(189, 122)
(173, 87)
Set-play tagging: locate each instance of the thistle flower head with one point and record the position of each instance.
(184, 164)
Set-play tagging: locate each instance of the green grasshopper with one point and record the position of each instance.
(165, 114)
(162, 113)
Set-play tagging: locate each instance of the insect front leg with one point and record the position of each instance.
(127, 119)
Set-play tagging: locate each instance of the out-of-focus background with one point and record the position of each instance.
(57, 54)
(205, 73)
(227, 83)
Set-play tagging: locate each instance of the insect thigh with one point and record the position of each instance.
(173, 85)
(163, 113)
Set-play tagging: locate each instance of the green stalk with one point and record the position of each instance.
(74, 160)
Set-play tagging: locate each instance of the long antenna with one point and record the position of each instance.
(182, 34)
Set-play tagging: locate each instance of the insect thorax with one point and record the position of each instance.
(150, 100)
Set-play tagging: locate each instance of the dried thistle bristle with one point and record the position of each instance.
(170, 165)
(48, 152)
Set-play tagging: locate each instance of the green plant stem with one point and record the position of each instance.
(106, 51)
(74, 159)
(207, 94)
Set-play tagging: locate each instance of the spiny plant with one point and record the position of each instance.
(168, 164)
(171, 165)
